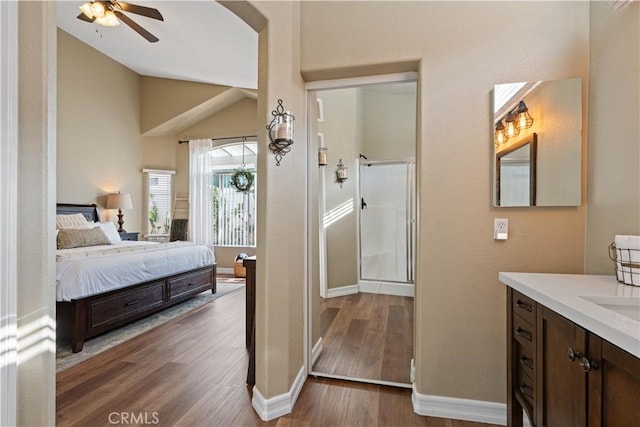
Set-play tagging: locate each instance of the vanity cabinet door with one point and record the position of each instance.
(562, 390)
(614, 385)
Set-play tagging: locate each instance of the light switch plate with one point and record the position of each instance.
(500, 228)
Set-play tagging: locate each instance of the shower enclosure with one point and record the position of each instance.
(387, 223)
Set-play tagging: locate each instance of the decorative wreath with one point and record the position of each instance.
(242, 180)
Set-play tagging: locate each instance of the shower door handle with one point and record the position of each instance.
(363, 204)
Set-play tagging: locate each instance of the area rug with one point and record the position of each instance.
(66, 359)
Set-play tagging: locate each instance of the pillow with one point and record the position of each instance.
(77, 238)
(71, 221)
(109, 229)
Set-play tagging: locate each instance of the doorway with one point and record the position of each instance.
(361, 301)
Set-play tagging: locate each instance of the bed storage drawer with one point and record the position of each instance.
(189, 284)
(119, 307)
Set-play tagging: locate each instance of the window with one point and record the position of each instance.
(234, 212)
(158, 195)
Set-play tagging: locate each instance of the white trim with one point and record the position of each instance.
(461, 409)
(225, 270)
(8, 211)
(280, 405)
(342, 291)
(386, 288)
(322, 236)
(316, 351)
(362, 81)
(159, 171)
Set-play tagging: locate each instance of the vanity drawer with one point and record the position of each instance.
(524, 307)
(524, 333)
(526, 360)
(526, 389)
(189, 284)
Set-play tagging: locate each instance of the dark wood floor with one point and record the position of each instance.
(191, 371)
(367, 336)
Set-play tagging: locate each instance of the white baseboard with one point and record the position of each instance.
(459, 409)
(280, 405)
(316, 351)
(386, 288)
(342, 291)
(225, 270)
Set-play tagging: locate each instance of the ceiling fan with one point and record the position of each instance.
(107, 13)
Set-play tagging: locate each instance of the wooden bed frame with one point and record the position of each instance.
(84, 318)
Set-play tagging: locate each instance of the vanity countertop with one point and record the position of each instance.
(563, 294)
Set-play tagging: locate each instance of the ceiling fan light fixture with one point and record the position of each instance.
(108, 20)
(86, 10)
(98, 9)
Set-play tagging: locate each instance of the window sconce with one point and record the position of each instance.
(515, 120)
(280, 132)
(341, 173)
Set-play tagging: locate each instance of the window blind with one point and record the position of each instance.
(158, 197)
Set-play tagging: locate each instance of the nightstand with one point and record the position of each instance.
(129, 236)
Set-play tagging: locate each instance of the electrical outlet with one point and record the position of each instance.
(500, 228)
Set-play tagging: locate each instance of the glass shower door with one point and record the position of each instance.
(386, 207)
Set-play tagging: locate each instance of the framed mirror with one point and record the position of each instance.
(537, 143)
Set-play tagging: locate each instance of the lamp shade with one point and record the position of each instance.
(119, 201)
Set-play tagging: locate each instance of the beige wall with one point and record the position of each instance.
(613, 197)
(36, 310)
(100, 149)
(460, 304)
(389, 122)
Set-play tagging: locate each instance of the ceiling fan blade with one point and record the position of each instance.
(139, 10)
(135, 27)
(85, 18)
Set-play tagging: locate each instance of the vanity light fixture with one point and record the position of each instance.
(523, 119)
(500, 135)
(341, 173)
(512, 128)
(280, 132)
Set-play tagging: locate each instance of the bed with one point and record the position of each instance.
(100, 288)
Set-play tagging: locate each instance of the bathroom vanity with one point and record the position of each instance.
(573, 350)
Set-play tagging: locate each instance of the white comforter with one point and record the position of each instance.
(82, 272)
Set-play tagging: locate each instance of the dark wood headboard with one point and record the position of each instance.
(89, 211)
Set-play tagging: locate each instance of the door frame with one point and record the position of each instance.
(313, 350)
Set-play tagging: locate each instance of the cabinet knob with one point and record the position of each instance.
(572, 354)
(587, 365)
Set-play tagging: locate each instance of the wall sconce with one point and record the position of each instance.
(280, 132)
(322, 156)
(119, 201)
(341, 173)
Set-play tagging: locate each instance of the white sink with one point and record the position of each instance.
(625, 306)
